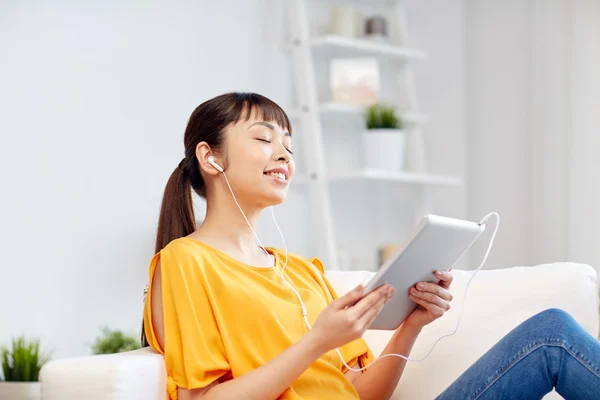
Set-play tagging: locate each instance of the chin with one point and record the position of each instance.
(276, 198)
(270, 194)
(271, 198)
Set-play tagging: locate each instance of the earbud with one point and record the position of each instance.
(211, 161)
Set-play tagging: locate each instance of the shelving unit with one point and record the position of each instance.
(339, 46)
(310, 110)
(376, 175)
(409, 118)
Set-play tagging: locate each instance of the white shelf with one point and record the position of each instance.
(340, 46)
(376, 175)
(339, 108)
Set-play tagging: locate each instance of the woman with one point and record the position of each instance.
(230, 327)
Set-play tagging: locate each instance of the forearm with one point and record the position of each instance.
(380, 380)
(272, 379)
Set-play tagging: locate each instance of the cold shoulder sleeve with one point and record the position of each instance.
(193, 349)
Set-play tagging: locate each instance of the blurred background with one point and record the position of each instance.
(497, 102)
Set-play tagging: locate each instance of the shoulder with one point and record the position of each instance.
(184, 255)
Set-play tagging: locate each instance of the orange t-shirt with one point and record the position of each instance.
(223, 316)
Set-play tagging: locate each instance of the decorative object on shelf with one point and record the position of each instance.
(21, 365)
(344, 21)
(387, 251)
(384, 142)
(355, 81)
(376, 28)
(110, 342)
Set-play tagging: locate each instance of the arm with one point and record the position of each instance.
(273, 378)
(380, 380)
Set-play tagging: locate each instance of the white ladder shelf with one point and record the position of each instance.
(310, 110)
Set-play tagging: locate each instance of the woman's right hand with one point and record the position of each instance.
(348, 317)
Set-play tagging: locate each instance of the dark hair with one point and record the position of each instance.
(206, 124)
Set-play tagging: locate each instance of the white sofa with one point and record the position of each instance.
(498, 300)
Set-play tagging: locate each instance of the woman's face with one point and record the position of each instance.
(260, 165)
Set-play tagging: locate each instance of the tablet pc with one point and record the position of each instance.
(436, 244)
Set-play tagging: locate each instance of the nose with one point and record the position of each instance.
(280, 153)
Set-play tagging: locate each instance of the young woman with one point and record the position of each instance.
(226, 315)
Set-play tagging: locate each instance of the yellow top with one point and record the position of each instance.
(222, 316)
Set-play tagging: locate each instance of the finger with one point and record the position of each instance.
(434, 288)
(371, 314)
(433, 309)
(445, 278)
(431, 298)
(349, 298)
(370, 300)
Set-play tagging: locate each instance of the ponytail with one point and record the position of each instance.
(177, 211)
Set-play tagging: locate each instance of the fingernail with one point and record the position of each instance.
(438, 273)
(421, 285)
(359, 288)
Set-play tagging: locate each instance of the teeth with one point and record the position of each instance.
(277, 175)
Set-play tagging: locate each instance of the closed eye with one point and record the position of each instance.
(268, 141)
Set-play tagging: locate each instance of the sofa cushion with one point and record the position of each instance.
(497, 301)
(138, 374)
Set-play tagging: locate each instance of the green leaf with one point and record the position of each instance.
(110, 342)
(22, 362)
(382, 117)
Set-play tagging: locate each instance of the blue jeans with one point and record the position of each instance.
(549, 350)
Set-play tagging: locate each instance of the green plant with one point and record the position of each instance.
(380, 116)
(23, 361)
(114, 342)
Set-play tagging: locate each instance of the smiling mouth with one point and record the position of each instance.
(278, 175)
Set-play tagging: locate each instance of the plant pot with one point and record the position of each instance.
(20, 390)
(384, 149)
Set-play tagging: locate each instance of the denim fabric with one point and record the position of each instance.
(549, 350)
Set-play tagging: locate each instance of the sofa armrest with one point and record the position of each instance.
(138, 374)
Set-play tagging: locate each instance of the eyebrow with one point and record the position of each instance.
(268, 125)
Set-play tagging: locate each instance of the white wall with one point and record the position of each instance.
(498, 87)
(582, 152)
(94, 102)
(532, 100)
(438, 27)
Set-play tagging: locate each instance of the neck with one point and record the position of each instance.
(225, 226)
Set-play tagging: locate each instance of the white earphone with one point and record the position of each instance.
(211, 161)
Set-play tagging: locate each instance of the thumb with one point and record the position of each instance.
(350, 298)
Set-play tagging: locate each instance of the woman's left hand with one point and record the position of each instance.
(433, 300)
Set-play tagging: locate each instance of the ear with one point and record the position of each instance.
(202, 153)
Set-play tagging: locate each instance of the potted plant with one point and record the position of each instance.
(114, 341)
(21, 365)
(384, 142)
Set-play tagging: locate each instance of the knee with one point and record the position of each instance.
(553, 317)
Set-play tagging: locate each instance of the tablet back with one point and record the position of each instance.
(437, 244)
